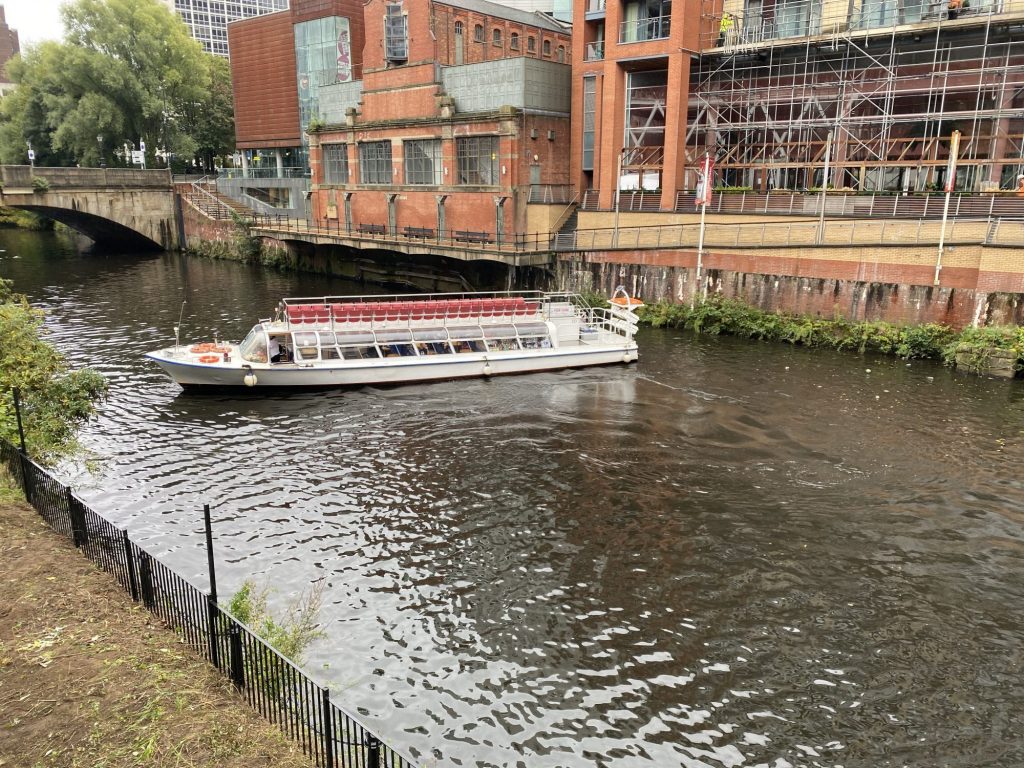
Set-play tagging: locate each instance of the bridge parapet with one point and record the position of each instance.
(20, 177)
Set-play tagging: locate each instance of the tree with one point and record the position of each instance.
(211, 121)
(55, 399)
(127, 71)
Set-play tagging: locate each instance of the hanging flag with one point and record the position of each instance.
(954, 150)
(706, 170)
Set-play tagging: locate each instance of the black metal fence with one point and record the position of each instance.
(271, 684)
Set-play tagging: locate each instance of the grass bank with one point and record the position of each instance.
(968, 349)
(16, 218)
(88, 678)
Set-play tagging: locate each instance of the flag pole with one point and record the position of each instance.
(954, 149)
(703, 200)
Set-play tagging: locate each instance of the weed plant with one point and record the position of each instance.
(931, 341)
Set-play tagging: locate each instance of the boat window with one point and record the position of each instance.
(398, 350)
(359, 353)
(532, 329)
(329, 353)
(306, 346)
(535, 342)
(388, 337)
(469, 346)
(467, 332)
(305, 339)
(433, 348)
(499, 332)
(327, 340)
(430, 334)
(355, 338)
(254, 346)
(281, 348)
(502, 345)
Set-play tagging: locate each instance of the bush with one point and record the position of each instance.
(39, 184)
(291, 637)
(55, 400)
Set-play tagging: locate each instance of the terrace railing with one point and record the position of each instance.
(280, 691)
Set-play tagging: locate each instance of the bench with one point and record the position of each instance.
(423, 232)
(371, 229)
(466, 236)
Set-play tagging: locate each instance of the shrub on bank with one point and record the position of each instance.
(55, 400)
(931, 341)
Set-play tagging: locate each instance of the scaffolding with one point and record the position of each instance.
(889, 79)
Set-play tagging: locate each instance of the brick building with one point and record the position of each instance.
(462, 111)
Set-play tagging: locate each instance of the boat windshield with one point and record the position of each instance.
(254, 346)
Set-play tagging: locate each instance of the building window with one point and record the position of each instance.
(547, 47)
(323, 56)
(478, 33)
(531, 45)
(496, 36)
(477, 160)
(458, 27)
(335, 163)
(513, 41)
(561, 54)
(423, 162)
(643, 156)
(396, 35)
(375, 162)
(589, 121)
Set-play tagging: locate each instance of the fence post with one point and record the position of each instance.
(372, 750)
(235, 644)
(79, 535)
(146, 580)
(129, 561)
(328, 729)
(211, 622)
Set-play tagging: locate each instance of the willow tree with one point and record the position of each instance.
(126, 72)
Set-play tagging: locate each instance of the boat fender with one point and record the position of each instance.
(249, 379)
(487, 369)
(209, 358)
(627, 357)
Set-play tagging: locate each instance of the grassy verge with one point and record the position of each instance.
(16, 218)
(931, 341)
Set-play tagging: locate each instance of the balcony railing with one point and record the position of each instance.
(595, 7)
(265, 172)
(595, 51)
(641, 30)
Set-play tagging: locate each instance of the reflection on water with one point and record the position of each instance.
(731, 554)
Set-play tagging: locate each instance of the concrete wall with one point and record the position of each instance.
(335, 99)
(522, 83)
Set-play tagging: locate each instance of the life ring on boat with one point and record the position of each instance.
(209, 358)
(206, 346)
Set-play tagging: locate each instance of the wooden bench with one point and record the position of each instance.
(465, 236)
(423, 232)
(371, 229)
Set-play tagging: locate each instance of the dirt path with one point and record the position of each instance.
(89, 678)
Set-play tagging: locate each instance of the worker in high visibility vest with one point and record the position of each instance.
(725, 28)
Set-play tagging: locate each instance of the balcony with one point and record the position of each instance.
(595, 10)
(595, 51)
(642, 30)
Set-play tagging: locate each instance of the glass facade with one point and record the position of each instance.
(589, 121)
(644, 142)
(323, 55)
(207, 20)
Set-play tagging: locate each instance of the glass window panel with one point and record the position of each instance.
(477, 160)
(423, 162)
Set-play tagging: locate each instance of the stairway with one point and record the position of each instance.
(565, 238)
(204, 197)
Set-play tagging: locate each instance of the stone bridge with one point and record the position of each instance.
(117, 207)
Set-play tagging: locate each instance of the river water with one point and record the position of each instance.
(729, 554)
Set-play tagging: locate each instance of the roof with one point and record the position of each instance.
(534, 19)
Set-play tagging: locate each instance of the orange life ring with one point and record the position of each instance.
(206, 346)
(210, 359)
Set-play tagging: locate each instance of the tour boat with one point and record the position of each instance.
(335, 341)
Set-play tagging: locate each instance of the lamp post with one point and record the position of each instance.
(99, 141)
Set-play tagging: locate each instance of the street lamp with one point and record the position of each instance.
(99, 140)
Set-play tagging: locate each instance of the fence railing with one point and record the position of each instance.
(271, 684)
(779, 235)
(895, 206)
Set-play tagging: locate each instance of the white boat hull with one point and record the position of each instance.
(396, 370)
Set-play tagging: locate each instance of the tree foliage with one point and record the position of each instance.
(127, 71)
(55, 400)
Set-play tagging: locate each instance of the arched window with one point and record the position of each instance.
(478, 33)
(496, 36)
(531, 45)
(561, 54)
(547, 47)
(458, 27)
(513, 41)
